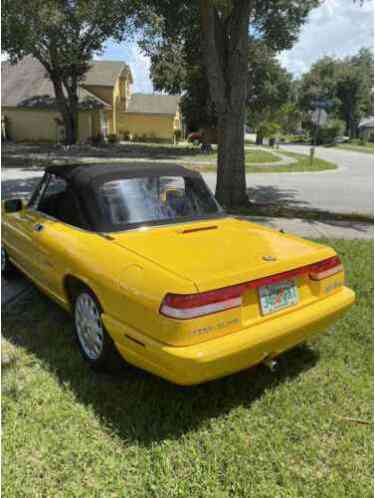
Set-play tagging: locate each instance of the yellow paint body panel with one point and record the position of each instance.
(223, 356)
(131, 272)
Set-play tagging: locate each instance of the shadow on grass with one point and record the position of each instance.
(138, 406)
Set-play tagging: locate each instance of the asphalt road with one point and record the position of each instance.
(348, 189)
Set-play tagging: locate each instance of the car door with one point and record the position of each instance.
(48, 254)
(18, 233)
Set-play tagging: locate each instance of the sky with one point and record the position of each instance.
(338, 28)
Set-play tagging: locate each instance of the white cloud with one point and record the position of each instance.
(138, 62)
(338, 28)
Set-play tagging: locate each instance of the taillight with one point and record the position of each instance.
(326, 268)
(185, 306)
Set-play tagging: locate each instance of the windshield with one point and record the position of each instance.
(152, 200)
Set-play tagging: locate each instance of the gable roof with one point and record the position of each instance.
(142, 103)
(26, 84)
(105, 73)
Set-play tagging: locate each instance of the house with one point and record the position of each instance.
(107, 105)
(366, 128)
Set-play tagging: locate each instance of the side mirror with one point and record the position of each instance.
(13, 205)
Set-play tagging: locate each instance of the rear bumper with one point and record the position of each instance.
(225, 355)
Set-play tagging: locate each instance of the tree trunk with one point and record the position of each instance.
(231, 180)
(69, 111)
(259, 138)
(225, 42)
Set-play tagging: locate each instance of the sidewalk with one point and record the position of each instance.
(348, 230)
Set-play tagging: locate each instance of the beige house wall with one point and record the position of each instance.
(39, 125)
(103, 92)
(149, 125)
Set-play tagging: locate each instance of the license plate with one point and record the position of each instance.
(275, 297)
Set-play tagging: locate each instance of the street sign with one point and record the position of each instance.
(322, 104)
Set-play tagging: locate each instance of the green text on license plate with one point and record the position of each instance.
(275, 297)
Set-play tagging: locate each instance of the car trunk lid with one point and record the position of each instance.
(219, 253)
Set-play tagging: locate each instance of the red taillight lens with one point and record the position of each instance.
(326, 268)
(185, 306)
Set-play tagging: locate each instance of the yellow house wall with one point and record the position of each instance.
(161, 127)
(103, 92)
(39, 125)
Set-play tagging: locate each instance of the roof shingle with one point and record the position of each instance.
(26, 83)
(141, 103)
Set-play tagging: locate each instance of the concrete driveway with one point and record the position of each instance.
(348, 189)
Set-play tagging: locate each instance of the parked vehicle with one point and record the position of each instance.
(196, 138)
(152, 267)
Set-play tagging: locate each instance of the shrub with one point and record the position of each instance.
(112, 138)
(328, 133)
(126, 135)
(97, 140)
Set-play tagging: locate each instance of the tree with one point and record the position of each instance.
(269, 87)
(354, 89)
(63, 35)
(225, 28)
(347, 82)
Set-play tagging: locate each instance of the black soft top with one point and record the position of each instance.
(80, 176)
(85, 181)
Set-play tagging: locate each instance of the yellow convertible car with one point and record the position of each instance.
(151, 267)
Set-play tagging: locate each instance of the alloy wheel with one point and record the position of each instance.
(89, 326)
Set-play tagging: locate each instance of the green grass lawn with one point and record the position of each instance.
(252, 156)
(302, 164)
(357, 146)
(303, 431)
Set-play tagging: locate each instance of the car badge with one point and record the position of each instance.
(269, 258)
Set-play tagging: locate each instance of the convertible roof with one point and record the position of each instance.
(81, 175)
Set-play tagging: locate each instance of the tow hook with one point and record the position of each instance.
(271, 364)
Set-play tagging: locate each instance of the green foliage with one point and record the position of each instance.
(112, 138)
(328, 133)
(173, 42)
(269, 129)
(347, 82)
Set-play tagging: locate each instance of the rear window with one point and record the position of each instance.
(149, 200)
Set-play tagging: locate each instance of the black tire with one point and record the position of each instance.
(106, 356)
(7, 268)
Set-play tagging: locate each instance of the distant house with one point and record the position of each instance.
(107, 105)
(366, 128)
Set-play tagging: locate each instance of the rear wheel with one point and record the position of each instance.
(6, 266)
(96, 345)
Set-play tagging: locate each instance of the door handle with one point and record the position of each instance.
(38, 227)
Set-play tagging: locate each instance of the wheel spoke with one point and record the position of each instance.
(89, 326)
